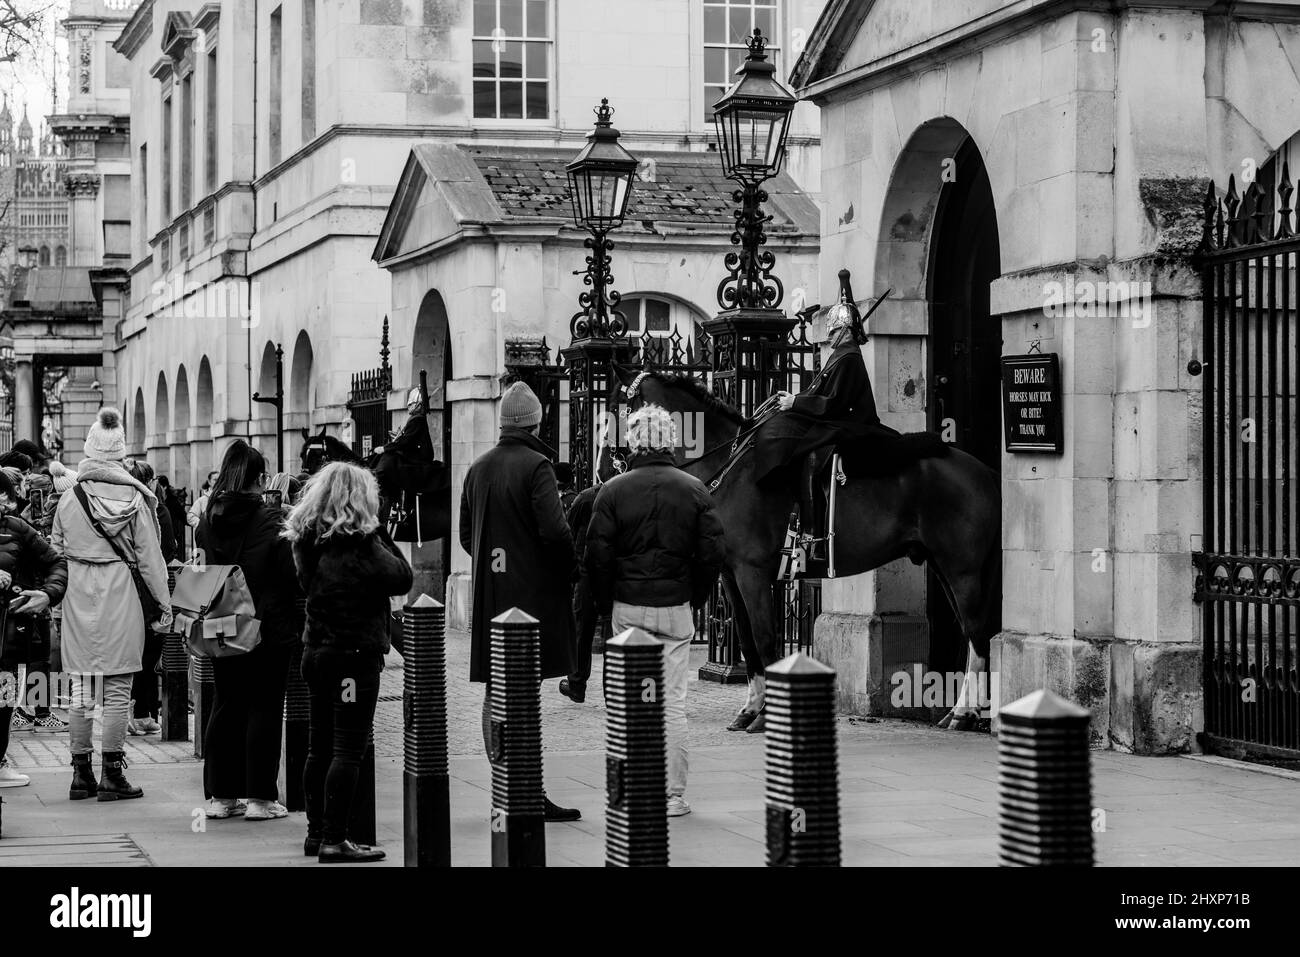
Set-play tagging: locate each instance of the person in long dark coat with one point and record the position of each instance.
(513, 527)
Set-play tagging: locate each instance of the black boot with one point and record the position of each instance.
(113, 785)
(555, 813)
(84, 784)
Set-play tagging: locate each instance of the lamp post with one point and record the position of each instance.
(751, 334)
(277, 401)
(600, 186)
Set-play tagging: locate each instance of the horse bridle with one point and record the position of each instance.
(735, 449)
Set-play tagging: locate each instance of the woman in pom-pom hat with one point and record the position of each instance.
(107, 516)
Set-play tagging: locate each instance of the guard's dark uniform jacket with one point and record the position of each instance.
(837, 409)
(413, 444)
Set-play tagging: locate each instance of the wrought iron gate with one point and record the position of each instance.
(368, 402)
(1248, 573)
(528, 360)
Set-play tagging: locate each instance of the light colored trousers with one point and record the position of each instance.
(674, 627)
(114, 693)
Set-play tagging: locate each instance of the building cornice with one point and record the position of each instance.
(138, 29)
(207, 18)
(829, 41)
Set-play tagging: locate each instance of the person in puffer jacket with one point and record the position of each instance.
(103, 621)
(31, 566)
(348, 566)
(654, 550)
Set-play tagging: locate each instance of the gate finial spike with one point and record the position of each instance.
(1211, 203)
(1284, 191)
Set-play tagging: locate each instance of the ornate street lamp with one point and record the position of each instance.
(753, 120)
(751, 335)
(600, 186)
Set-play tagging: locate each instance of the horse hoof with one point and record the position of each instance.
(970, 721)
(946, 720)
(758, 725)
(742, 720)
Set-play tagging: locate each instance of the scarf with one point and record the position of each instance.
(112, 472)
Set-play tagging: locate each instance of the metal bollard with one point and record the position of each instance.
(426, 789)
(1044, 783)
(636, 763)
(803, 798)
(297, 723)
(361, 820)
(518, 803)
(205, 691)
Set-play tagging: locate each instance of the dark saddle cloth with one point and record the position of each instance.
(867, 449)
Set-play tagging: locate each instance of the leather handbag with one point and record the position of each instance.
(148, 604)
(213, 609)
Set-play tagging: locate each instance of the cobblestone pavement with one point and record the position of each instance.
(565, 726)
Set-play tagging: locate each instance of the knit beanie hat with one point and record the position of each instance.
(519, 407)
(64, 478)
(106, 440)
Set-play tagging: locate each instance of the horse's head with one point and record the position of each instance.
(319, 450)
(704, 422)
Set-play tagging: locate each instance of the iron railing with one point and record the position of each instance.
(1248, 572)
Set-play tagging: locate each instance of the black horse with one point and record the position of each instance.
(945, 510)
(415, 498)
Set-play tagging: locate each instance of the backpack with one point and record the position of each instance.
(213, 609)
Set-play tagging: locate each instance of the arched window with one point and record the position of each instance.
(60, 256)
(668, 321)
(44, 259)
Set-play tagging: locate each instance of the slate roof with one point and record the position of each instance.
(59, 289)
(685, 189)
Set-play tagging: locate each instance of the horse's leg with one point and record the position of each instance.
(971, 601)
(755, 586)
(740, 621)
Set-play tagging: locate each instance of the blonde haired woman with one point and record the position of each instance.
(348, 566)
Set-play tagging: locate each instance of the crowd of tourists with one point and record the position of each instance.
(84, 558)
(84, 562)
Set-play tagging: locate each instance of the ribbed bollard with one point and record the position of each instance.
(174, 710)
(297, 726)
(518, 802)
(1044, 783)
(803, 798)
(636, 769)
(204, 699)
(426, 801)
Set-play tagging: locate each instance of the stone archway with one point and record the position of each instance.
(138, 435)
(180, 439)
(300, 373)
(157, 443)
(201, 457)
(938, 249)
(431, 354)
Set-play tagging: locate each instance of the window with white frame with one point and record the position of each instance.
(661, 318)
(728, 24)
(512, 59)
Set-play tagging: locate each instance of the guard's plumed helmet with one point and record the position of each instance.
(844, 314)
(651, 429)
(415, 398)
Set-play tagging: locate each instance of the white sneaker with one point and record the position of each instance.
(677, 806)
(220, 808)
(265, 811)
(149, 725)
(9, 778)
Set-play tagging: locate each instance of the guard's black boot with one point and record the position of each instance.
(555, 813)
(84, 784)
(575, 691)
(113, 785)
(348, 853)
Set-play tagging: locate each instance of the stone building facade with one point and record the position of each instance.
(1075, 144)
(268, 142)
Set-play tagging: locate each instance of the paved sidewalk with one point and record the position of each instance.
(910, 795)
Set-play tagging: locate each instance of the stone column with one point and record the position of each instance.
(84, 220)
(474, 432)
(25, 424)
(81, 403)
